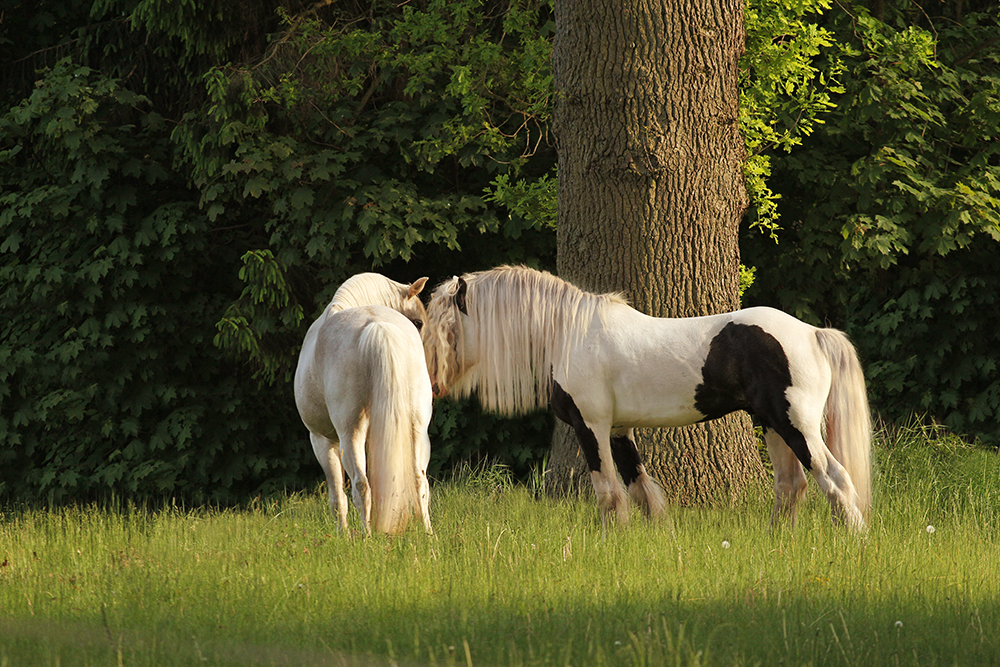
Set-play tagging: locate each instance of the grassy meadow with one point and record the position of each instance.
(511, 579)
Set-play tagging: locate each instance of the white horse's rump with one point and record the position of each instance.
(521, 338)
(362, 391)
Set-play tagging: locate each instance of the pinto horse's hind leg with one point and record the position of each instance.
(789, 479)
(642, 488)
(835, 483)
(328, 454)
(832, 478)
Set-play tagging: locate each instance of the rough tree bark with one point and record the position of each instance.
(651, 193)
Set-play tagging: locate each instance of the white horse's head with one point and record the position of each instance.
(445, 347)
(374, 289)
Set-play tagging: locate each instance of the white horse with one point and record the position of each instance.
(522, 338)
(361, 380)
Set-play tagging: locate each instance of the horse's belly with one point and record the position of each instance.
(654, 404)
(656, 417)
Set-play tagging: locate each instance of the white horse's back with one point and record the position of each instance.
(341, 347)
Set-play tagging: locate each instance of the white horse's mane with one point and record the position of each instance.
(368, 289)
(522, 322)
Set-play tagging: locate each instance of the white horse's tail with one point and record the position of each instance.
(848, 420)
(390, 455)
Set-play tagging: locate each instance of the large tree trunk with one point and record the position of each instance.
(650, 196)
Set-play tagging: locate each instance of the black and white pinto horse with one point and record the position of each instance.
(521, 338)
(362, 390)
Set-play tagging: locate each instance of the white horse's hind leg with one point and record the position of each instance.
(355, 463)
(789, 479)
(421, 458)
(328, 454)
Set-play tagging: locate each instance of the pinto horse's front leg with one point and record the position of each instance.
(595, 441)
(611, 496)
(642, 488)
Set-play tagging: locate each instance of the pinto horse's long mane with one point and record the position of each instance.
(521, 322)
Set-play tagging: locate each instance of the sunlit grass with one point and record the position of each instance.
(511, 579)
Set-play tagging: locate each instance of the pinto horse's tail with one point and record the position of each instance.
(848, 420)
(390, 443)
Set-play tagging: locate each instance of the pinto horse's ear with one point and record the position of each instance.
(416, 288)
(460, 296)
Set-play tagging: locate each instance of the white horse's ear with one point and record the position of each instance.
(460, 295)
(417, 287)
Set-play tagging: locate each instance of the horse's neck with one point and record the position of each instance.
(364, 297)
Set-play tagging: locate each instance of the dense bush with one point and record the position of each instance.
(369, 138)
(183, 191)
(111, 283)
(891, 213)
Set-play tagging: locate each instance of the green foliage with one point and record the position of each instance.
(931, 343)
(360, 141)
(266, 296)
(786, 86)
(747, 275)
(530, 204)
(110, 285)
(462, 432)
(895, 210)
(193, 215)
(365, 140)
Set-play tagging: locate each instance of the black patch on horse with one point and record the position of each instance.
(627, 458)
(460, 300)
(747, 369)
(562, 404)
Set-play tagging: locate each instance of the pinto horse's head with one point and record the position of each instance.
(444, 342)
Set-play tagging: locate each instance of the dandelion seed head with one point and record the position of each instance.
(930, 529)
(725, 544)
(899, 624)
